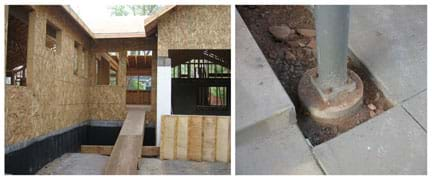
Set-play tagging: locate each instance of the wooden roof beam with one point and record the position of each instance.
(112, 61)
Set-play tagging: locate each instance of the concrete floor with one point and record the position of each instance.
(268, 140)
(154, 166)
(93, 164)
(75, 164)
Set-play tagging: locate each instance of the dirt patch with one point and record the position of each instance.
(290, 56)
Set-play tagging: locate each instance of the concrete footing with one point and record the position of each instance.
(329, 112)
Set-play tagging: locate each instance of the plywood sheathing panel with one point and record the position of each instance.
(197, 138)
(18, 102)
(108, 102)
(168, 137)
(116, 45)
(194, 27)
(54, 97)
(209, 138)
(223, 144)
(182, 137)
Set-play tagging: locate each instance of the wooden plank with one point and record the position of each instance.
(223, 140)
(209, 138)
(147, 151)
(195, 138)
(128, 147)
(168, 139)
(125, 155)
(182, 137)
(113, 62)
(97, 149)
(150, 151)
(134, 123)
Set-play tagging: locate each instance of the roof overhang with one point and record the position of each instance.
(93, 35)
(150, 23)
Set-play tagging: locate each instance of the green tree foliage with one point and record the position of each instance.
(133, 10)
(136, 85)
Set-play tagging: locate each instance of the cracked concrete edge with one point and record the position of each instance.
(314, 156)
(317, 161)
(413, 118)
(289, 110)
(286, 113)
(408, 110)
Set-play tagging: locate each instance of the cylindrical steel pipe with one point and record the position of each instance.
(332, 25)
(338, 91)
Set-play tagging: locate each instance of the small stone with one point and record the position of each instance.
(301, 44)
(289, 55)
(312, 44)
(371, 107)
(372, 114)
(280, 32)
(293, 44)
(306, 32)
(377, 96)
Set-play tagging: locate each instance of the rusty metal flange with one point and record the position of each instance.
(330, 112)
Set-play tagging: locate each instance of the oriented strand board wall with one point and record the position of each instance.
(54, 98)
(123, 45)
(196, 138)
(107, 102)
(195, 27)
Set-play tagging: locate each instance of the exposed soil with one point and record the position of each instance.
(290, 56)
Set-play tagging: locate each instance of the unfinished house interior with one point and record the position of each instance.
(79, 101)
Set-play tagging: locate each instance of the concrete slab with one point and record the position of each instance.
(76, 164)
(259, 93)
(274, 146)
(391, 143)
(391, 43)
(153, 166)
(417, 108)
(93, 164)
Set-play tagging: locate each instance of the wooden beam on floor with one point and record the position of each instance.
(125, 156)
(127, 150)
(147, 151)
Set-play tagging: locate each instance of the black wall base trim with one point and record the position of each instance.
(29, 157)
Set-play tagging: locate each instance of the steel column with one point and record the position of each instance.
(332, 25)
